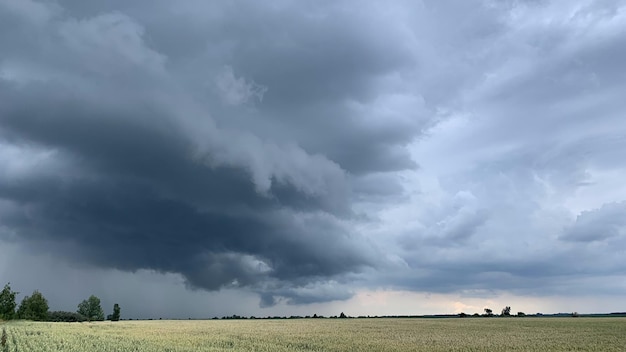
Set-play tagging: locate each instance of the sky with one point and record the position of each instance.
(199, 159)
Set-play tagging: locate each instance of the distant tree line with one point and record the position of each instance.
(35, 307)
(506, 312)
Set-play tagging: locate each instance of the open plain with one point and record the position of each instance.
(380, 334)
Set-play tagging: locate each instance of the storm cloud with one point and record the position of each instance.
(305, 151)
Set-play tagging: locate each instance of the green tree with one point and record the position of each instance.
(7, 302)
(116, 312)
(506, 311)
(34, 307)
(91, 309)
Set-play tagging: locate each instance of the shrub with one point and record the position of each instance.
(68, 317)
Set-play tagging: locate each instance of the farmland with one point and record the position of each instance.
(481, 334)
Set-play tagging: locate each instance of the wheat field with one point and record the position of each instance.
(481, 334)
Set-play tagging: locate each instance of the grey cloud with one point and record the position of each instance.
(453, 223)
(515, 240)
(601, 224)
(377, 187)
(314, 292)
(235, 90)
(461, 226)
(448, 271)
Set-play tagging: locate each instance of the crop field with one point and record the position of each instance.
(470, 334)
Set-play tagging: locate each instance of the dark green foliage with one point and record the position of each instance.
(521, 314)
(488, 312)
(34, 307)
(506, 311)
(69, 317)
(7, 302)
(342, 316)
(116, 313)
(91, 309)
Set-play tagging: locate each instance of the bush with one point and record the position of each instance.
(68, 317)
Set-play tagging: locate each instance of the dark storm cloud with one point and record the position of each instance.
(146, 179)
(132, 201)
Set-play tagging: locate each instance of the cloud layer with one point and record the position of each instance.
(305, 152)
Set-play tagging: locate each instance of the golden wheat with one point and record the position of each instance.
(495, 334)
